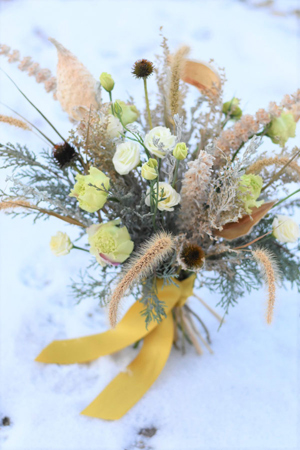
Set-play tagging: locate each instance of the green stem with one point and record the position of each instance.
(31, 124)
(35, 107)
(147, 103)
(280, 201)
(175, 173)
(111, 101)
(80, 248)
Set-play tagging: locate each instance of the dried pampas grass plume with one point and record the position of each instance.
(14, 122)
(271, 275)
(177, 67)
(151, 254)
(76, 87)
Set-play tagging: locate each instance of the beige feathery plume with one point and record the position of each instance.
(76, 87)
(278, 161)
(151, 254)
(14, 122)
(271, 275)
(177, 67)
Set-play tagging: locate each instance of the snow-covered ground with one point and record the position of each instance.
(246, 395)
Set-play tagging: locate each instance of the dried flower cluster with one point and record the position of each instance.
(167, 192)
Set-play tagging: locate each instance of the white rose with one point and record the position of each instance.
(127, 157)
(114, 127)
(171, 197)
(60, 244)
(285, 229)
(159, 141)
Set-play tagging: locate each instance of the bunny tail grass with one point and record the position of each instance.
(271, 275)
(151, 254)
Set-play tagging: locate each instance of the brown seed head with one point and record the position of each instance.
(142, 68)
(64, 154)
(191, 256)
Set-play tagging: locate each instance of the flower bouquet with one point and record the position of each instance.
(165, 199)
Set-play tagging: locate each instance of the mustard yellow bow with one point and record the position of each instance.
(126, 389)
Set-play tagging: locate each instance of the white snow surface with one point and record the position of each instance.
(246, 395)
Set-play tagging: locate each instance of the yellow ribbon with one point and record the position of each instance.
(126, 389)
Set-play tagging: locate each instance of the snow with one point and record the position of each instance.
(246, 395)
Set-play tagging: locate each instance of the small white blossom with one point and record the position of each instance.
(159, 141)
(285, 229)
(127, 157)
(60, 244)
(166, 192)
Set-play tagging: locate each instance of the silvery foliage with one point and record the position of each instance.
(170, 159)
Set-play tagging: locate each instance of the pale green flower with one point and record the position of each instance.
(180, 151)
(249, 191)
(90, 190)
(282, 128)
(149, 169)
(129, 113)
(110, 243)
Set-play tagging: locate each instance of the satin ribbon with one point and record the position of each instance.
(127, 388)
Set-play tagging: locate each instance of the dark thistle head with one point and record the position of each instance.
(64, 154)
(191, 257)
(142, 68)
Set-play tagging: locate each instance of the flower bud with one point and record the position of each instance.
(249, 191)
(60, 244)
(232, 108)
(285, 229)
(180, 151)
(282, 128)
(128, 113)
(107, 81)
(149, 171)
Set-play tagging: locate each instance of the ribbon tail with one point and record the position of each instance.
(126, 389)
(129, 330)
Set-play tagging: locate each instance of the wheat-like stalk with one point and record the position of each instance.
(19, 203)
(271, 275)
(14, 122)
(177, 66)
(151, 254)
(32, 68)
(278, 161)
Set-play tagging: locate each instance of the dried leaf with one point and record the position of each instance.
(234, 230)
(201, 75)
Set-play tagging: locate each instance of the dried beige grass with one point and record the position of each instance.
(177, 67)
(278, 161)
(151, 254)
(19, 203)
(14, 122)
(14, 204)
(271, 274)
